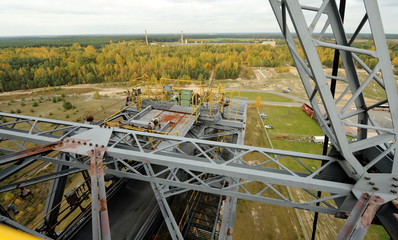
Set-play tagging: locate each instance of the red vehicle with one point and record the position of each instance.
(308, 110)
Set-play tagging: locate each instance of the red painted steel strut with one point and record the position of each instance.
(99, 208)
(360, 217)
(21, 155)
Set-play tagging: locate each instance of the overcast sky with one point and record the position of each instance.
(64, 17)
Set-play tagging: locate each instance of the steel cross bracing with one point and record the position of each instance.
(126, 145)
(372, 144)
(127, 152)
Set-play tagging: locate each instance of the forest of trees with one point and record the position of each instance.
(26, 68)
(32, 67)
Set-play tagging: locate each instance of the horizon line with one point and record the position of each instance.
(143, 34)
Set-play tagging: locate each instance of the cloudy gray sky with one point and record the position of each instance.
(62, 17)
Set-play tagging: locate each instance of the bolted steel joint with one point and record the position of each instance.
(371, 183)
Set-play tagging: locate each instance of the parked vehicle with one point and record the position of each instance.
(288, 90)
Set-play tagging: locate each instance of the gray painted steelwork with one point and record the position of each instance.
(367, 157)
(126, 146)
(334, 121)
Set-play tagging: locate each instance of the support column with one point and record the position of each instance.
(360, 217)
(228, 217)
(99, 208)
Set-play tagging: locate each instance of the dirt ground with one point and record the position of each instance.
(270, 79)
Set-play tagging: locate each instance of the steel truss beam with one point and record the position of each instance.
(338, 122)
(128, 151)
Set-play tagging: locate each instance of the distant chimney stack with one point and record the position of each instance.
(182, 37)
(146, 38)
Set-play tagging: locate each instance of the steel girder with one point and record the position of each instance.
(360, 218)
(128, 151)
(350, 111)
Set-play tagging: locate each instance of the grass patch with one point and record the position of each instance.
(298, 146)
(86, 106)
(290, 121)
(264, 96)
(256, 220)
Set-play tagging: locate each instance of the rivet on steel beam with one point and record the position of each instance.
(67, 140)
(102, 146)
(84, 143)
(78, 142)
(73, 141)
(378, 197)
(91, 144)
(372, 183)
(367, 178)
(395, 178)
(375, 188)
(92, 151)
(394, 185)
(96, 145)
(394, 191)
